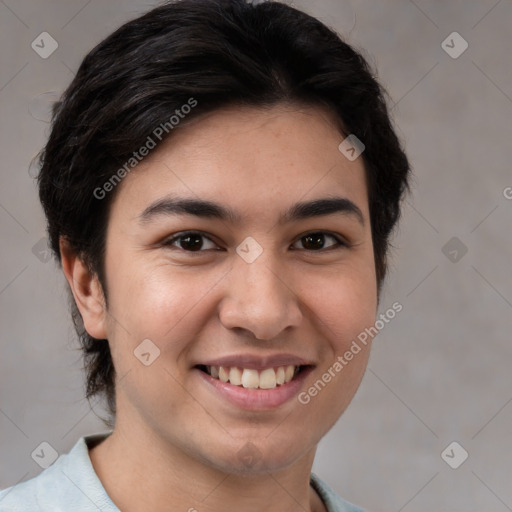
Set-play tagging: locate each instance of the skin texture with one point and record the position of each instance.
(176, 440)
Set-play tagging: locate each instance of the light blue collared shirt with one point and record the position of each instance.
(70, 484)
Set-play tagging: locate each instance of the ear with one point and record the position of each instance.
(87, 291)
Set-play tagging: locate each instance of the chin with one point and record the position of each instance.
(257, 457)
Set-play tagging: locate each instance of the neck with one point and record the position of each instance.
(145, 473)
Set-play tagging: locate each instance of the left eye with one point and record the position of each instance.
(192, 241)
(317, 238)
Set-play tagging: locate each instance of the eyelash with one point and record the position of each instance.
(341, 243)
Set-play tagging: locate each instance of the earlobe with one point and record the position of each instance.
(86, 289)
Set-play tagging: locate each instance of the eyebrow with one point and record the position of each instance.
(211, 210)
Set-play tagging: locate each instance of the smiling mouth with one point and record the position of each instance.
(249, 378)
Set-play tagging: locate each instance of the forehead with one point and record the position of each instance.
(252, 159)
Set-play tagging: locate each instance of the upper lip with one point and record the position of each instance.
(251, 361)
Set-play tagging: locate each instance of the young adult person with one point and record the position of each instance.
(220, 184)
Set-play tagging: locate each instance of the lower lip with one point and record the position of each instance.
(256, 399)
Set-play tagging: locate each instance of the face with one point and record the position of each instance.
(271, 293)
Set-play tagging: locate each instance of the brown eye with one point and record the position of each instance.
(191, 241)
(315, 241)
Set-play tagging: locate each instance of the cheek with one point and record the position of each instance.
(159, 302)
(353, 313)
(343, 305)
(346, 308)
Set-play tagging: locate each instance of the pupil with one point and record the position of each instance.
(315, 237)
(190, 245)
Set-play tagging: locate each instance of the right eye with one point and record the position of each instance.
(189, 241)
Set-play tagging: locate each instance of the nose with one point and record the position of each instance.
(259, 297)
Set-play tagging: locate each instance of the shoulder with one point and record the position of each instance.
(333, 502)
(70, 483)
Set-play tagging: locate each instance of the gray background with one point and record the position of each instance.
(439, 372)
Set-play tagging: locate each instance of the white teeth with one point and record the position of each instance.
(249, 378)
(235, 376)
(223, 374)
(267, 378)
(288, 373)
